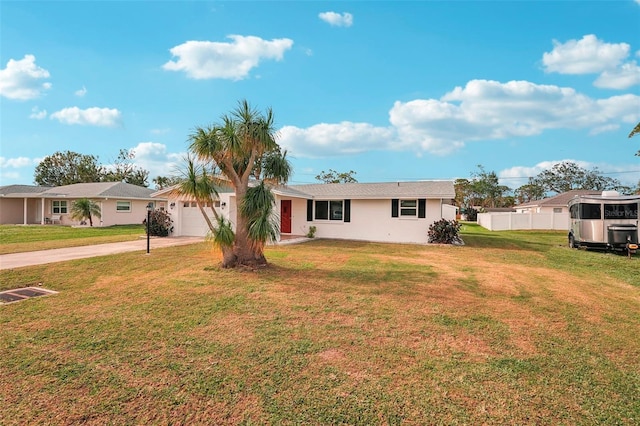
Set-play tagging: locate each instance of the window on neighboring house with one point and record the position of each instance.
(123, 206)
(408, 207)
(59, 207)
(329, 210)
(557, 209)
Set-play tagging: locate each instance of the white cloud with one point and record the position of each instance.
(233, 61)
(590, 55)
(36, 114)
(81, 92)
(160, 131)
(585, 56)
(605, 128)
(335, 139)
(153, 156)
(22, 79)
(625, 76)
(16, 163)
(106, 117)
(482, 110)
(337, 19)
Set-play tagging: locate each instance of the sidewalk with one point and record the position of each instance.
(18, 260)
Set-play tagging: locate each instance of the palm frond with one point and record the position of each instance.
(222, 235)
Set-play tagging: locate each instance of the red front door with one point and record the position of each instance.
(285, 216)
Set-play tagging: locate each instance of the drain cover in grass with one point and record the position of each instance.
(19, 294)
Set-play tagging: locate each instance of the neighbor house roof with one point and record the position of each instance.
(560, 200)
(416, 189)
(79, 190)
(21, 190)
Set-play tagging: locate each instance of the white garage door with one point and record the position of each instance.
(192, 222)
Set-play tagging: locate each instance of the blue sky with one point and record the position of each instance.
(390, 90)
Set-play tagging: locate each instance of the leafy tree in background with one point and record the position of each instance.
(163, 182)
(567, 175)
(333, 176)
(123, 170)
(84, 208)
(66, 168)
(463, 191)
(529, 192)
(482, 190)
(238, 147)
(487, 189)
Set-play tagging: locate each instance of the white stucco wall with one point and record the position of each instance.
(370, 221)
(109, 214)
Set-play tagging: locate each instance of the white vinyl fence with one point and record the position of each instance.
(449, 212)
(515, 221)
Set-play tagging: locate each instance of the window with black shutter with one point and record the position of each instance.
(394, 207)
(422, 208)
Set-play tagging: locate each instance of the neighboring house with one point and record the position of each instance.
(548, 213)
(556, 204)
(120, 203)
(398, 212)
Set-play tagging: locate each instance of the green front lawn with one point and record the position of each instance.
(20, 238)
(513, 328)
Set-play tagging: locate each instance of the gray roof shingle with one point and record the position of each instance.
(22, 189)
(385, 190)
(80, 190)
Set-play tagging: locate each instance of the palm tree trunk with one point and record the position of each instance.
(242, 248)
(204, 214)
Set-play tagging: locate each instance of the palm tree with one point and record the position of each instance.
(243, 146)
(84, 208)
(197, 183)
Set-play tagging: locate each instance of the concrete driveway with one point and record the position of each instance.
(18, 260)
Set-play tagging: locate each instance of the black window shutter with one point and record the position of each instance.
(309, 210)
(422, 208)
(394, 207)
(347, 210)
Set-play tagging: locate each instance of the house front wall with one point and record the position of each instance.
(370, 220)
(113, 211)
(12, 211)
